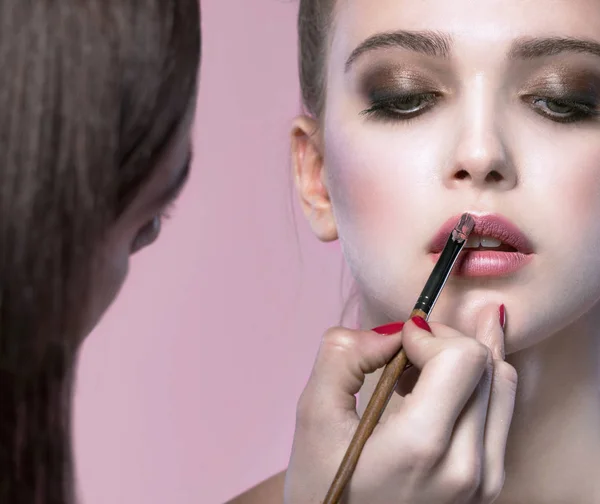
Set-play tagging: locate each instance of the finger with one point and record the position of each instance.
(410, 374)
(344, 358)
(499, 418)
(465, 458)
(469, 431)
(490, 332)
(451, 368)
(407, 381)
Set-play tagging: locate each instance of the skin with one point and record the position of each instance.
(383, 187)
(139, 226)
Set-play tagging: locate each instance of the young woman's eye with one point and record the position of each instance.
(149, 232)
(400, 107)
(561, 110)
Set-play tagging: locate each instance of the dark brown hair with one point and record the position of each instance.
(90, 92)
(314, 22)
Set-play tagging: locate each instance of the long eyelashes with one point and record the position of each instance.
(400, 107)
(403, 107)
(563, 110)
(150, 231)
(167, 212)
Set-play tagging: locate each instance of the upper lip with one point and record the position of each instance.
(494, 226)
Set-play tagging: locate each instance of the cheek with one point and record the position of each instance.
(563, 181)
(557, 202)
(380, 180)
(377, 171)
(574, 203)
(107, 282)
(580, 192)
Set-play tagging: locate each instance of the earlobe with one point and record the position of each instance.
(309, 177)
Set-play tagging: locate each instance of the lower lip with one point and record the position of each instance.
(476, 263)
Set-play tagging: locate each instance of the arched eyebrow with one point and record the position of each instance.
(531, 48)
(439, 45)
(430, 43)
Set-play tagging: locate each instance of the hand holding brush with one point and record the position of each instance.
(447, 440)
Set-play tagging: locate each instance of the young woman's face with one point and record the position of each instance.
(434, 108)
(140, 224)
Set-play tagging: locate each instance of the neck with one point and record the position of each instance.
(553, 450)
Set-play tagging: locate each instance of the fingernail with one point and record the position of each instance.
(502, 314)
(387, 329)
(421, 323)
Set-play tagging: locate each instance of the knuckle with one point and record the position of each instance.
(468, 353)
(338, 339)
(425, 453)
(476, 354)
(508, 374)
(464, 478)
(424, 448)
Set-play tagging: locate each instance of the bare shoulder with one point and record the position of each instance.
(269, 491)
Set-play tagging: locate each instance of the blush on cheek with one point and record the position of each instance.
(373, 229)
(382, 173)
(379, 179)
(365, 180)
(577, 204)
(367, 218)
(561, 181)
(583, 193)
(571, 172)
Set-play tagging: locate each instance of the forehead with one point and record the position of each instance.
(483, 24)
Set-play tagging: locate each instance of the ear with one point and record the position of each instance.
(309, 177)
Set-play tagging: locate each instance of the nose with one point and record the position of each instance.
(481, 158)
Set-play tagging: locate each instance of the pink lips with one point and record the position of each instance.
(477, 263)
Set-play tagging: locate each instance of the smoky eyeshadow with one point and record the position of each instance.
(381, 82)
(568, 84)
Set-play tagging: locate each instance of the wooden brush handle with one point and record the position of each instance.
(383, 391)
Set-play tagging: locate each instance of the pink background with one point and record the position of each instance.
(186, 392)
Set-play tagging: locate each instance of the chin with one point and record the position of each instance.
(527, 324)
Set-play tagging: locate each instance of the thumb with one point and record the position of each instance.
(344, 358)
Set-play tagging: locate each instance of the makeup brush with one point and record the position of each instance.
(394, 369)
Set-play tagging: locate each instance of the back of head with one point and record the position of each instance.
(90, 92)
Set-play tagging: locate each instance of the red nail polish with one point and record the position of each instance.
(421, 323)
(502, 316)
(387, 329)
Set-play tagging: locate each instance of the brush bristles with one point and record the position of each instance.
(464, 228)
